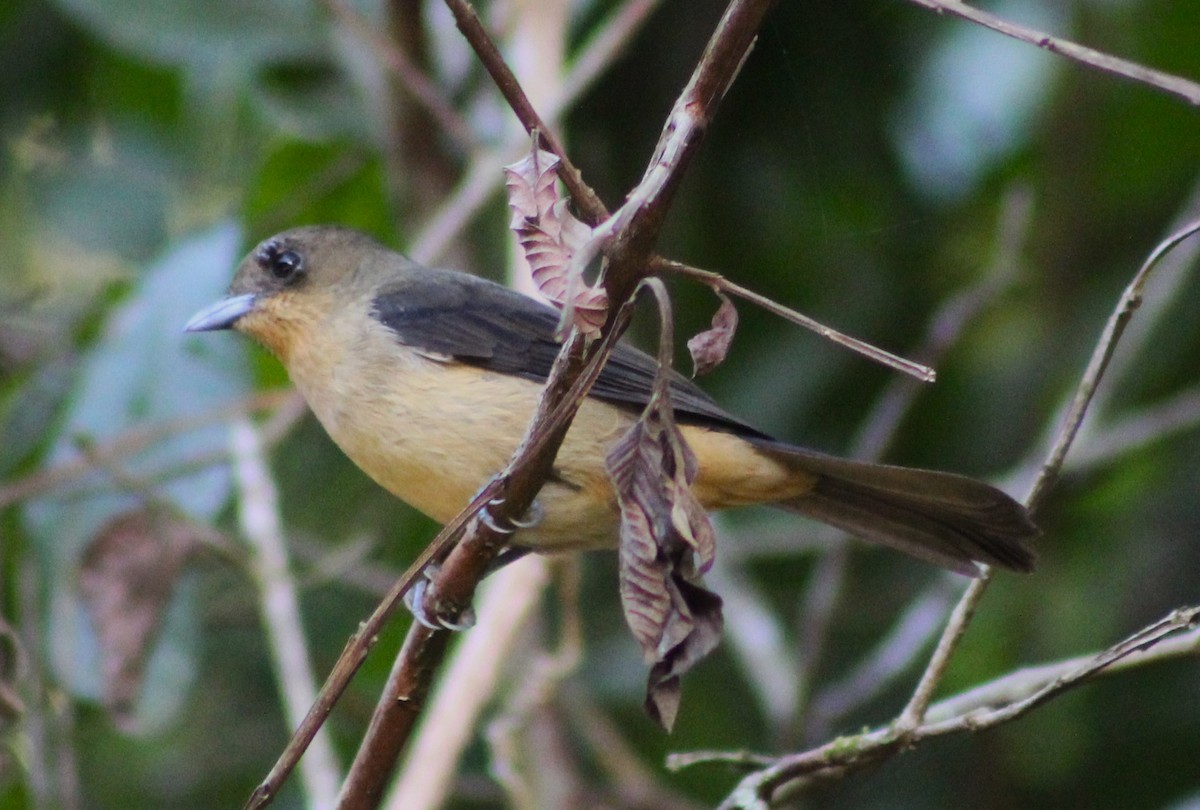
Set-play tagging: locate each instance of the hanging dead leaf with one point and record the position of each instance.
(549, 234)
(667, 542)
(127, 576)
(709, 348)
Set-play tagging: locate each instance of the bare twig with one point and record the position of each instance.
(279, 603)
(472, 29)
(1189, 91)
(914, 711)
(508, 599)
(1152, 643)
(1022, 684)
(717, 281)
(1128, 303)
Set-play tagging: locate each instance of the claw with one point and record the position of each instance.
(532, 517)
(432, 615)
(485, 515)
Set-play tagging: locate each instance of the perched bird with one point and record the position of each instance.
(427, 379)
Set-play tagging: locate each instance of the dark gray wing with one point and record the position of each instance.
(484, 324)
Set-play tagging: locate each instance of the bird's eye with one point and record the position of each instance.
(285, 265)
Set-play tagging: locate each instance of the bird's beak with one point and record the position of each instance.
(221, 315)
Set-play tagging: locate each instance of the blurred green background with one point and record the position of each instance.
(873, 165)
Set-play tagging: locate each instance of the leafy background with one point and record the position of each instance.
(872, 162)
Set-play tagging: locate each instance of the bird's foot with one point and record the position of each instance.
(532, 517)
(432, 613)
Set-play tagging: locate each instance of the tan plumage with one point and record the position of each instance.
(427, 379)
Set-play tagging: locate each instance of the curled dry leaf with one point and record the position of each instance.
(709, 348)
(550, 235)
(667, 542)
(127, 576)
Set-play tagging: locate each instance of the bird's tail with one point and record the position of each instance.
(946, 519)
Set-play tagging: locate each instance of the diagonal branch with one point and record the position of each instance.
(1189, 91)
(489, 55)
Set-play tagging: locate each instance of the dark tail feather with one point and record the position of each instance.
(946, 519)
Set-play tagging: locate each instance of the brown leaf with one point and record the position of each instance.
(667, 540)
(127, 576)
(550, 235)
(710, 346)
(697, 611)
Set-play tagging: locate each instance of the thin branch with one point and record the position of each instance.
(718, 282)
(1189, 91)
(1113, 329)
(589, 204)
(913, 713)
(1151, 644)
(893, 656)
(1018, 686)
(279, 603)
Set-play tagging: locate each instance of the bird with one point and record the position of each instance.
(427, 378)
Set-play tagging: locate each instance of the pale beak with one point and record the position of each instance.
(221, 315)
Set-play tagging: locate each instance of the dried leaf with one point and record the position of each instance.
(128, 573)
(710, 346)
(699, 609)
(667, 540)
(550, 235)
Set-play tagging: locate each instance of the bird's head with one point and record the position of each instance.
(291, 282)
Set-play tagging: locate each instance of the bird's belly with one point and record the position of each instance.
(436, 436)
